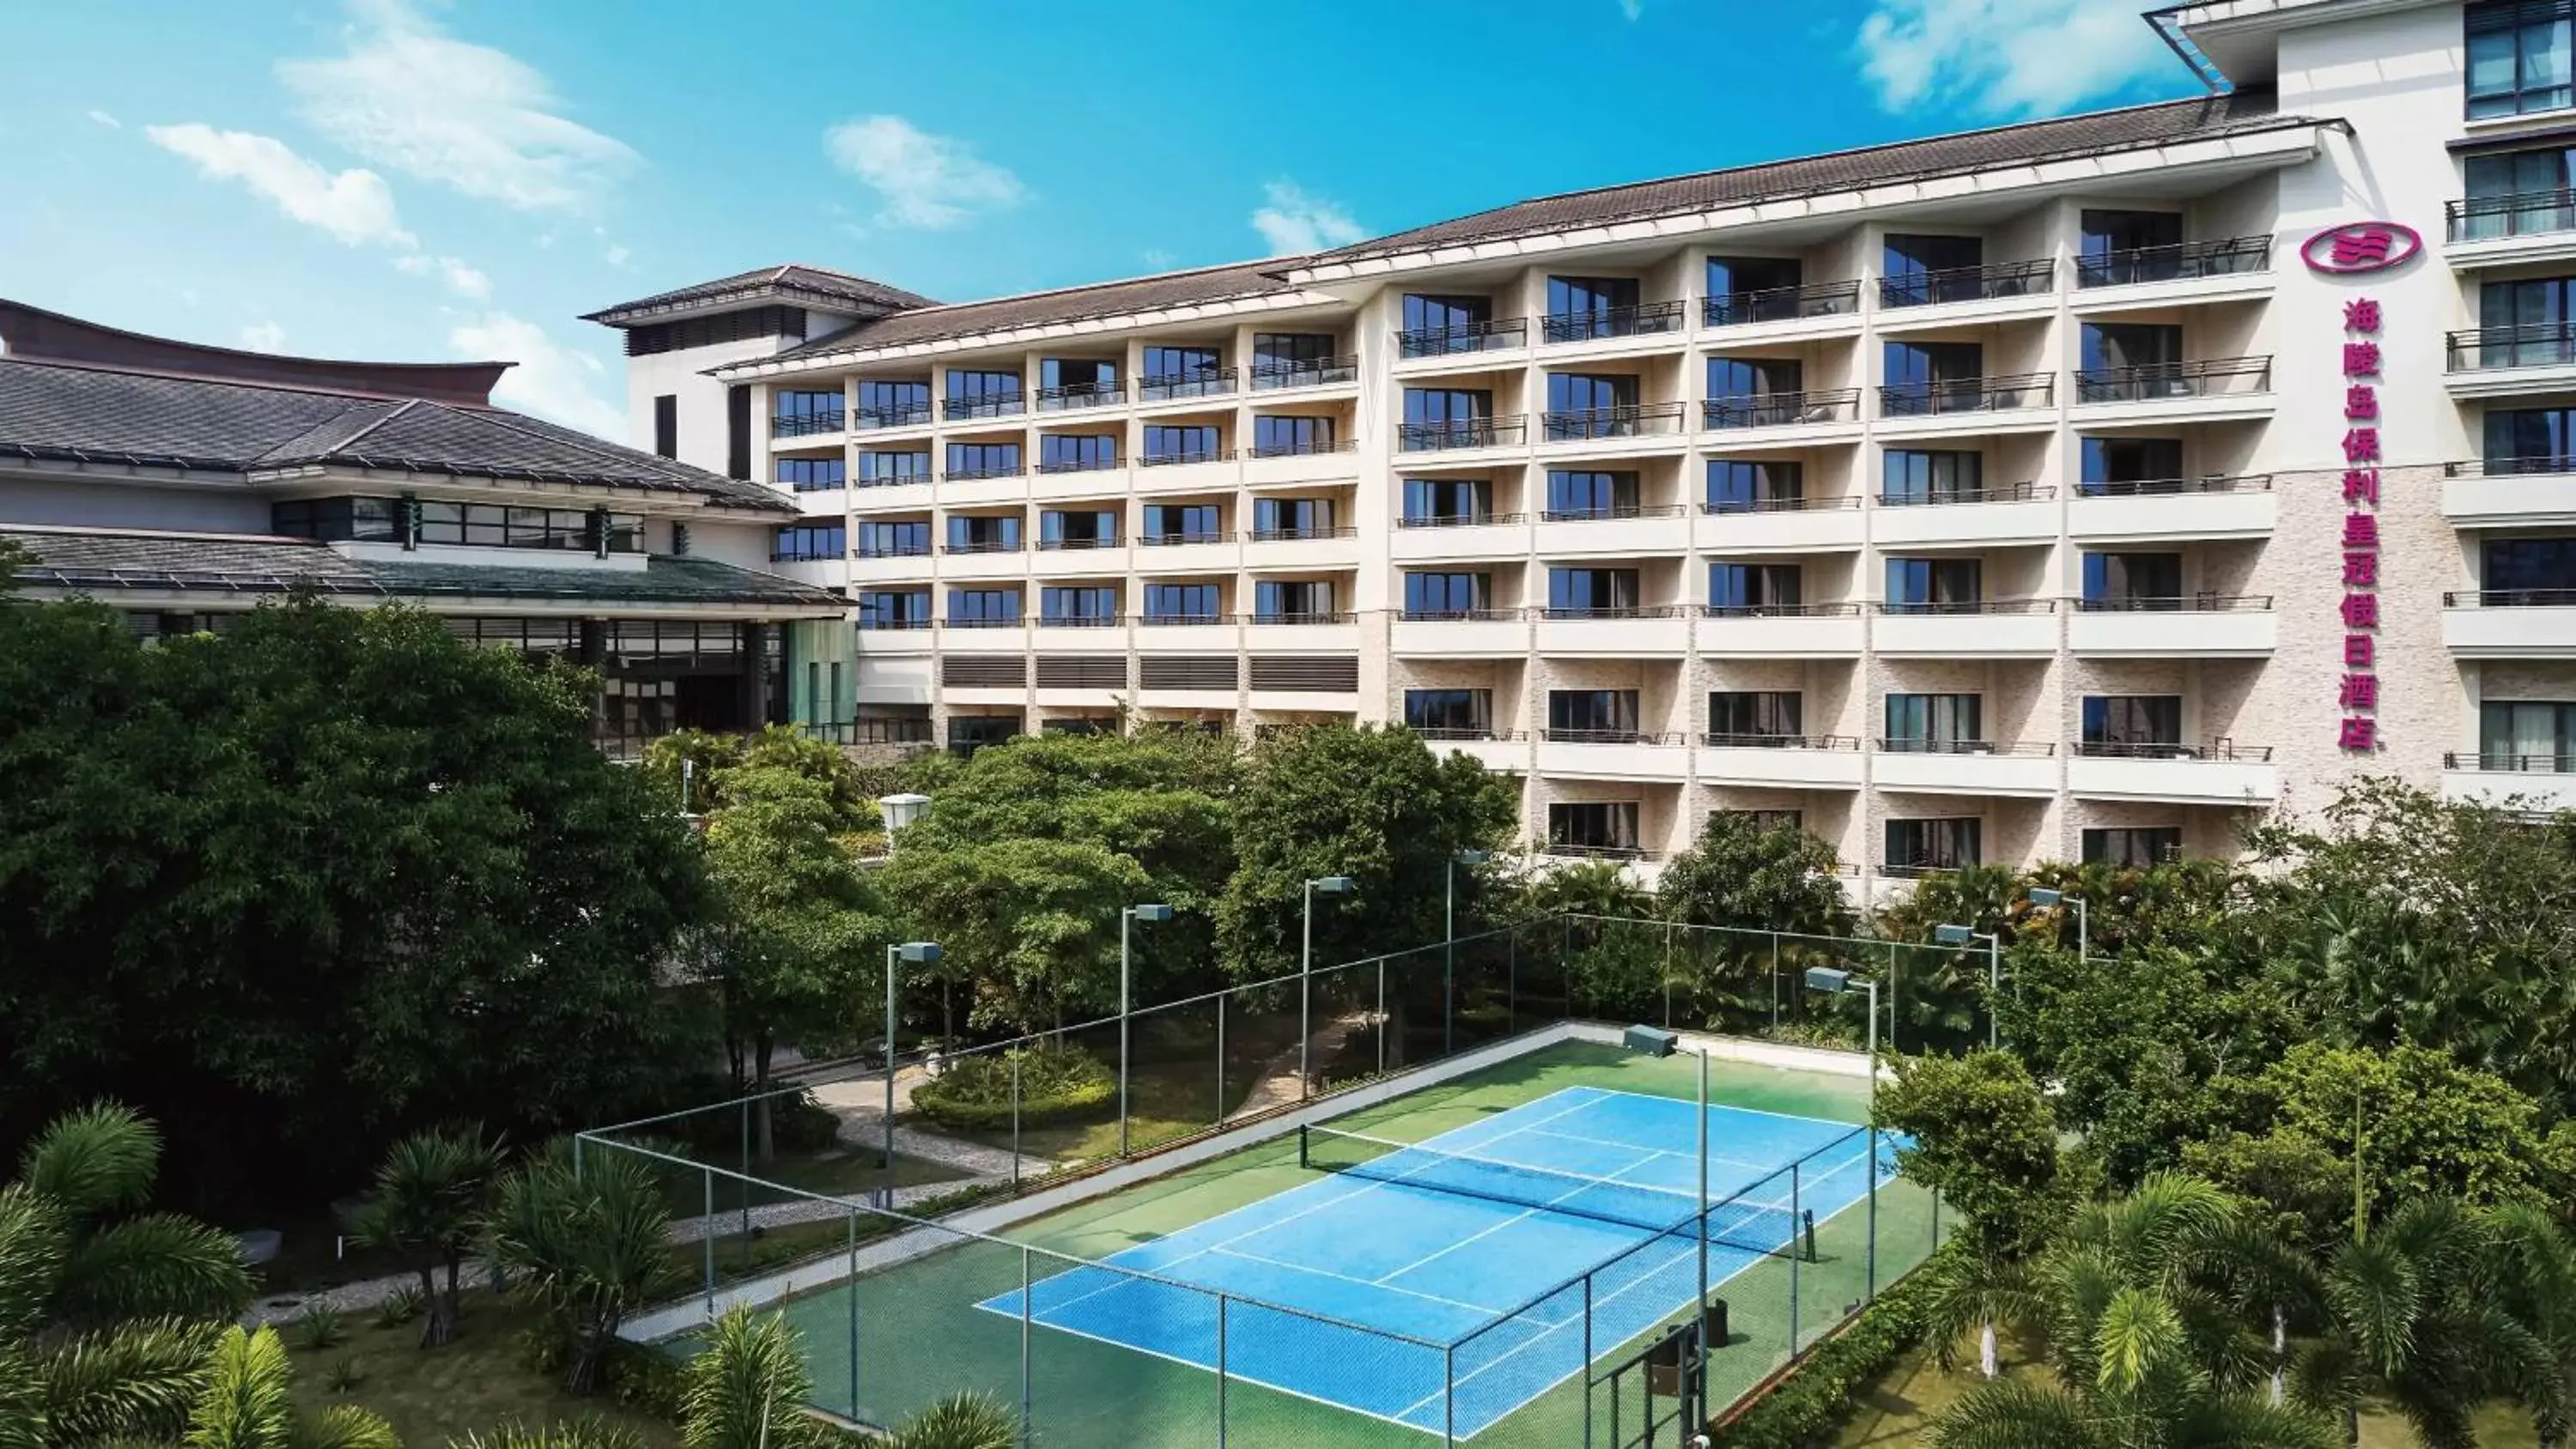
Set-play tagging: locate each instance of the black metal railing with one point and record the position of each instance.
(2176, 604)
(890, 480)
(1168, 386)
(1969, 284)
(1306, 449)
(1509, 332)
(1908, 745)
(1177, 540)
(1629, 510)
(1078, 545)
(2532, 344)
(2001, 493)
(2148, 382)
(1183, 620)
(1327, 617)
(986, 621)
(1318, 372)
(984, 405)
(1640, 420)
(2228, 257)
(1459, 616)
(1582, 850)
(1780, 409)
(995, 470)
(1969, 606)
(1075, 396)
(897, 550)
(2220, 750)
(1078, 621)
(2508, 467)
(1725, 741)
(1799, 504)
(1464, 433)
(1462, 520)
(1918, 869)
(2162, 487)
(1967, 395)
(1614, 611)
(1779, 611)
(1296, 535)
(990, 546)
(917, 415)
(1174, 460)
(1466, 732)
(2557, 763)
(1781, 304)
(806, 425)
(2523, 213)
(1644, 320)
(882, 624)
(1099, 463)
(2555, 598)
(1613, 737)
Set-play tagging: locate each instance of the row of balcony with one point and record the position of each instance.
(1077, 397)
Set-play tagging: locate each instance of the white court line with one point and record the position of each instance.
(1533, 1211)
(1691, 1156)
(1487, 1309)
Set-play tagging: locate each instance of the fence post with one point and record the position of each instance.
(707, 1238)
(1871, 1290)
(1587, 1362)
(1775, 983)
(1381, 1016)
(744, 1184)
(854, 1315)
(1449, 1394)
(1015, 1120)
(1220, 1058)
(1795, 1247)
(1028, 1396)
(577, 1139)
(1667, 974)
(1220, 1366)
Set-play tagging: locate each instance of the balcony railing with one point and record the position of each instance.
(1613, 737)
(1631, 510)
(1466, 732)
(1907, 745)
(985, 405)
(1177, 540)
(1184, 619)
(2557, 598)
(2149, 382)
(2550, 764)
(1628, 422)
(2524, 213)
(1781, 304)
(1724, 741)
(1465, 433)
(1644, 320)
(2003, 493)
(1967, 395)
(2534, 344)
(1462, 520)
(1077, 545)
(2161, 487)
(1076, 396)
(870, 623)
(1918, 869)
(1287, 617)
(890, 480)
(2222, 750)
(2508, 467)
(2233, 256)
(1510, 332)
(1586, 850)
(806, 425)
(1969, 284)
(1779, 611)
(1078, 621)
(915, 416)
(1614, 611)
(1308, 449)
(1174, 460)
(2177, 604)
(1167, 386)
(1800, 504)
(985, 621)
(987, 546)
(1095, 464)
(1318, 372)
(989, 470)
(1459, 616)
(1298, 535)
(1780, 409)
(896, 550)
(1969, 606)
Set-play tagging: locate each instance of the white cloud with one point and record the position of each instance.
(1294, 222)
(617, 256)
(104, 119)
(264, 337)
(468, 117)
(461, 279)
(1632, 8)
(2005, 57)
(355, 206)
(926, 180)
(551, 381)
(1159, 259)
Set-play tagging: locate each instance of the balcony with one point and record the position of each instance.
(1301, 548)
(1482, 633)
(1649, 320)
(807, 425)
(1964, 767)
(2504, 361)
(1814, 408)
(1076, 397)
(1303, 633)
(2510, 623)
(2210, 389)
(2216, 506)
(1592, 424)
(2529, 226)
(1616, 632)
(1779, 631)
(1613, 754)
(2009, 281)
(983, 473)
(2234, 256)
(1318, 372)
(1628, 531)
(1505, 751)
(1179, 386)
(2532, 782)
(1788, 525)
(1782, 304)
(1465, 433)
(2016, 513)
(1979, 629)
(990, 405)
(2218, 772)
(1789, 762)
(1466, 337)
(2219, 626)
(2509, 492)
(869, 420)
(1966, 395)
(1461, 536)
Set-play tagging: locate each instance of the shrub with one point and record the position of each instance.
(1054, 1083)
(1803, 1410)
(319, 1326)
(345, 1374)
(798, 1123)
(401, 1306)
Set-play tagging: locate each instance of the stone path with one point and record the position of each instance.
(1279, 1084)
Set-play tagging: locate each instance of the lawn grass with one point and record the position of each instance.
(478, 1383)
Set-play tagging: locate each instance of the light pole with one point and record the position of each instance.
(1449, 934)
(1331, 885)
(2043, 896)
(920, 953)
(1961, 936)
(1131, 913)
(1834, 983)
(900, 811)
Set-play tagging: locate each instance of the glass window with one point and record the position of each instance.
(1293, 600)
(1086, 604)
(2120, 723)
(2522, 564)
(1765, 713)
(1933, 584)
(1077, 372)
(983, 460)
(2121, 247)
(883, 468)
(1939, 844)
(2536, 183)
(1606, 826)
(1276, 436)
(819, 411)
(1737, 485)
(894, 609)
(1076, 452)
(1592, 711)
(1576, 494)
(1164, 444)
(1289, 350)
(974, 533)
(1584, 392)
(806, 542)
(2527, 735)
(1925, 377)
(1579, 308)
(2133, 579)
(1447, 417)
(1444, 596)
(2135, 847)
(970, 608)
(1174, 363)
(1744, 377)
(1913, 265)
(1592, 591)
(1428, 313)
(1934, 721)
(1077, 528)
(1449, 712)
(1736, 588)
(968, 733)
(1447, 500)
(1184, 522)
(893, 540)
(1932, 477)
(966, 384)
(2518, 57)
(811, 475)
(1752, 289)
(1180, 602)
(1292, 517)
(886, 404)
(2109, 462)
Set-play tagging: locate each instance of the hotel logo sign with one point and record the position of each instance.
(2361, 246)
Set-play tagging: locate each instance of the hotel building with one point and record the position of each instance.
(2064, 490)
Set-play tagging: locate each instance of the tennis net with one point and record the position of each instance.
(1755, 1226)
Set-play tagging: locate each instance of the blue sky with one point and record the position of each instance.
(425, 179)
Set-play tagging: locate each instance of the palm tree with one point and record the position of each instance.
(246, 1404)
(587, 1434)
(587, 1249)
(1978, 1294)
(106, 1314)
(2535, 1277)
(961, 1421)
(431, 1194)
(748, 1388)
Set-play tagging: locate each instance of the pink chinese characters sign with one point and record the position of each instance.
(2359, 697)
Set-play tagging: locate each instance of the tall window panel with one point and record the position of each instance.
(2518, 57)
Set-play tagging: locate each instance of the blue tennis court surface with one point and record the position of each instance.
(1437, 1240)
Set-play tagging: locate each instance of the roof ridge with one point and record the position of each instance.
(203, 379)
(1281, 262)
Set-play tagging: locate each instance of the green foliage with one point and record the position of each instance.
(247, 1403)
(401, 1306)
(1805, 1409)
(346, 1374)
(1738, 874)
(581, 1434)
(960, 1421)
(319, 1326)
(1984, 1138)
(748, 1387)
(431, 1192)
(1603, 888)
(585, 1250)
(1054, 1082)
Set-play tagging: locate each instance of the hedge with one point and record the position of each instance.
(1819, 1394)
(974, 1093)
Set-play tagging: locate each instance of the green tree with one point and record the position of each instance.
(431, 1194)
(1981, 1135)
(1031, 924)
(961, 1421)
(1740, 875)
(2532, 1263)
(586, 1249)
(748, 1387)
(247, 1403)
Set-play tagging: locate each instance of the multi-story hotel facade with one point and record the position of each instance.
(2061, 491)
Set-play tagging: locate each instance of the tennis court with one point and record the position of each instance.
(1422, 1283)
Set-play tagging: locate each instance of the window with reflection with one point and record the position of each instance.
(983, 608)
(1578, 494)
(2518, 57)
(2117, 724)
(894, 540)
(1934, 585)
(2135, 847)
(1754, 715)
(1184, 522)
(1447, 500)
(1593, 591)
(1445, 595)
(1916, 477)
(1450, 713)
(1181, 603)
(1592, 713)
(1936, 844)
(2133, 580)
(1744, 485)
(1753, 589)
(1167, 444)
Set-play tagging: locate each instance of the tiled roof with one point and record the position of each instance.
(101, 563)
(814, 286)
(2135, 128)
(61, 410)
